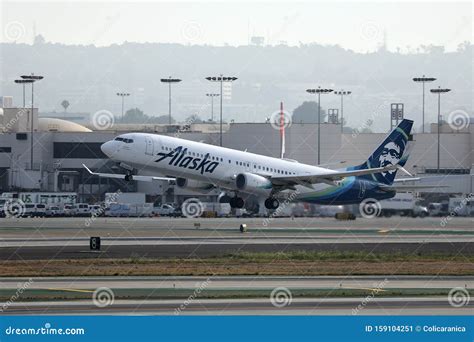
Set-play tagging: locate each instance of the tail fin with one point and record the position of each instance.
(393, 150)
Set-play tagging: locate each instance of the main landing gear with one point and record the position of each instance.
(237, 202)
(271, 203)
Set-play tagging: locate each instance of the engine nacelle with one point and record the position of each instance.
(194, 185)
(252, 183)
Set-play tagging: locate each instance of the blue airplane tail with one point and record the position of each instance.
(393, 150)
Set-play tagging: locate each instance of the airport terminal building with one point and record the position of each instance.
(60, 147)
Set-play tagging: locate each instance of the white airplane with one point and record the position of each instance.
(201, 167)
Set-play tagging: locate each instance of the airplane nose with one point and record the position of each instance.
(107, 148)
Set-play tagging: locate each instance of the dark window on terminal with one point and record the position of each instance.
(21, 136)
(73, 150)
(5, 149)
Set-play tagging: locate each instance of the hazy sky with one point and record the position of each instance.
(359, 26)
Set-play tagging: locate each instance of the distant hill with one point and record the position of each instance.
(88, 77)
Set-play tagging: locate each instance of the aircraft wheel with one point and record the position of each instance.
(271, 203)
(239, 202)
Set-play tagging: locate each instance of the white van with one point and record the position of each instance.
(69, 210)
(34, 210)
(54, 211)
(81, 209)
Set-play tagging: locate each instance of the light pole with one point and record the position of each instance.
(123, 95)
(170, 80)
(342, 93)
(23, 82)
(439, 91)
(221, 79)
(423, 80)
(212, 95)
(32, 78)
(319, 91)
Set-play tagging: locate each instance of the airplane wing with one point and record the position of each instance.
(399, 184)
(330, 176)
(403, 187)
(133, 177)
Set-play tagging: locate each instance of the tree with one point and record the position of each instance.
(65, 104)
(307, 112)
(135, 115)
(193, 119)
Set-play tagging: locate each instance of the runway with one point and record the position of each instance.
(240, 282)
(60, 238)
(373, 302)
(297, 306)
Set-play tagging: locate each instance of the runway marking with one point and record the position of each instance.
(384, 231)
(363, 288)
(71, 290)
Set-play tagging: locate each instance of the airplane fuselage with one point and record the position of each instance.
(210, 165)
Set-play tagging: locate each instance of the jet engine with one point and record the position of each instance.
(194, 185)
(252, 183)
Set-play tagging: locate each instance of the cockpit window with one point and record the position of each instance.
(125, 140)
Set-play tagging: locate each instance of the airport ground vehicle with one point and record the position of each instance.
(461, 206)
(34, 210)
(54, 211)
(69, 210)
(96, 210)
(215, 209)
(403, 204)
(48, 198)
(164, 210)
(330, 210)
(435, 209)
(129, 210)
(81, 209)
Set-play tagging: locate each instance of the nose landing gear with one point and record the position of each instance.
(272, 203)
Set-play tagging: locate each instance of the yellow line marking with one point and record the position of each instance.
(384, 231)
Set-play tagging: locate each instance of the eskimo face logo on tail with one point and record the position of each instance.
(179, 158)
(391, 155)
